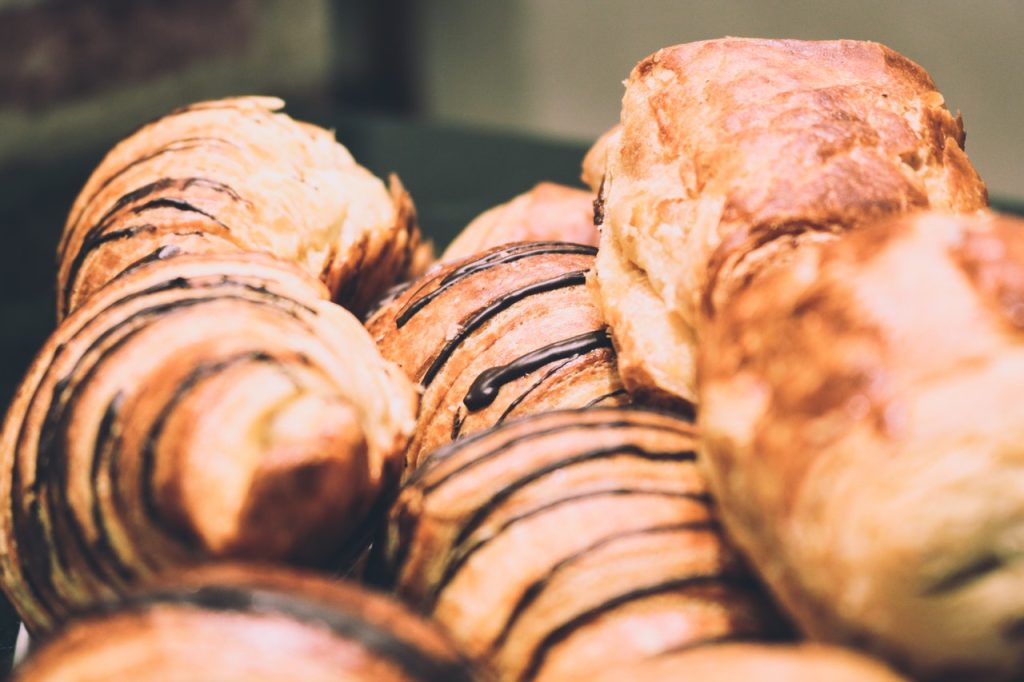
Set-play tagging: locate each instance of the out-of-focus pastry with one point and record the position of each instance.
(235, 175)
(595, 162)
(548, 212)
(563, 543)
(734, 154)
(199, 408)
(864, 433)
(246, 623)
(510, 332)
(733, 662)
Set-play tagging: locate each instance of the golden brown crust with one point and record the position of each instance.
(233, 175)
(510, 332)
(764, 663)
(248, 623)
(565, 542)
(862, 427)
(548, 212)
(734, 153)
(596, 160)
(203, 407)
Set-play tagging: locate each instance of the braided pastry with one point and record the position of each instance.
(564, 542)
(507, 333)
(548, 212)
(734, 662)
(229, 176)
(871, 466)
(243, 623)
(207, 406)
(735, 153)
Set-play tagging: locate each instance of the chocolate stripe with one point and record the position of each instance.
(537, 587)
(509, 254)
(566, 629)
(459, 554)
(495, 307)
(378, 640)
(486, 386)
(533, 387)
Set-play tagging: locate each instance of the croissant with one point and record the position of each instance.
(244, 623)
(732, 662)
(735, 153)
(509, 332)
(233, 176)
(863, 429)
(564, 542)
(202, 407)
(548, 212)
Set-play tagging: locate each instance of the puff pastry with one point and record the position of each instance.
(733, 662)
(509, 332)
(232, 176)
(247, 623)
(548, 212)
(735, 153)
(203, 407)
(863, 431)
(566, 542)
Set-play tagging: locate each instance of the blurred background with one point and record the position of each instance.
(470, 102)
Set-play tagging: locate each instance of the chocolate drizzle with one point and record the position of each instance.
(485, 387)
(498, 305)
(508, 254)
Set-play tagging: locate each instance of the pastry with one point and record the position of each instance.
(197, 408)
(246, 623)
(233, 176)
(596, 159)
(735, 153)
(563, 543)
(548, 212)
(506, 333)
(862, 427)
(761, 662)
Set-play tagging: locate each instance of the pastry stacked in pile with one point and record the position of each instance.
(794, 253)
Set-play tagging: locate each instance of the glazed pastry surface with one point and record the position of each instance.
(247, 623)
(509, 332)
(235, 175)
(735, 153)
(566, 542)
(198, 408)
(863, 433)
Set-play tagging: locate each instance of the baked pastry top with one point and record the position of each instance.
(571, 541)
(237, 175)
(200, 408)
(863, 433)
(733, 154)
(509, 332)
(548, 212)
(244, 622)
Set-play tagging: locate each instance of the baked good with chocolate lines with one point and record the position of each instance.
(234, 176)
(565, 542)
(245, 622)
(506, 333)
(197, 408)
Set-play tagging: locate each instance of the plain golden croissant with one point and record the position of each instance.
(201, 407)
(562, 543)
(509, 332)
(245, 623)
(548, 212)
(233, 176)
(864, 433)
(733, 154)
(737, 662)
